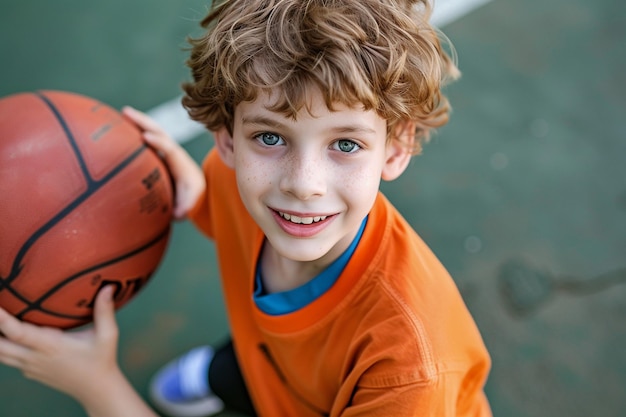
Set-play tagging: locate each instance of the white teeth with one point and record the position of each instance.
(301, 220)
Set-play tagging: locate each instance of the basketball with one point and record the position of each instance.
(84, 203)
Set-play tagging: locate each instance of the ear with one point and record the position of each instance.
(224, 144)
(398, 152)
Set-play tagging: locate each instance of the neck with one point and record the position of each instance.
(283, 274)
(280, 273)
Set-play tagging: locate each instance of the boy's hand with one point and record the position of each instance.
(77, 363)
(188, 177)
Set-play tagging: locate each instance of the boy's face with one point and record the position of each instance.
(309, 182)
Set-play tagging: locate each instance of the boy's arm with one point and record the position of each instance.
(189, 180)
(121, 400)
(80, 364)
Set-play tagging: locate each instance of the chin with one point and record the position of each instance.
(300, 253)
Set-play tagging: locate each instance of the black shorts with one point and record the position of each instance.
(226, 381)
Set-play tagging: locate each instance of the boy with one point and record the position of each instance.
(336, 306)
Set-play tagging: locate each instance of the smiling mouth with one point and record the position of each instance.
(301, 220)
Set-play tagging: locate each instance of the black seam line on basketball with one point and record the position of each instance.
(92, 186)
(95, 186)
(37, 303)
(69, 136)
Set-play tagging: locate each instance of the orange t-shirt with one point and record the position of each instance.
(392, 337)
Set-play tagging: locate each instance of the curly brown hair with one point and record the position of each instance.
(381, 54)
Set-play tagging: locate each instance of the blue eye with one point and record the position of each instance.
(269, 139)
(347, 146)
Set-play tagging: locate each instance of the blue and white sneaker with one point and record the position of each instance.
(181, 388)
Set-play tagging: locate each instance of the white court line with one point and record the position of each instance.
(447, 11)
(174, 119)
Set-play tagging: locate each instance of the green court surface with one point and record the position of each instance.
(522, 195)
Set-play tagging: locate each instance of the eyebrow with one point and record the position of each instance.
(267, 121)
(262, 120)
(353, 129)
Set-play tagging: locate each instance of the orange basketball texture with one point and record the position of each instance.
(83, 203)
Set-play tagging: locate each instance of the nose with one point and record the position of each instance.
(303, 177)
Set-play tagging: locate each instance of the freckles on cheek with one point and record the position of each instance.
(360, 180)
(359, 189)
(254, 172)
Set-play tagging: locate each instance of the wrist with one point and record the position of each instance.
(102, 391)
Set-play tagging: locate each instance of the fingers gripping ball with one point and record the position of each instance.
(83, 204)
